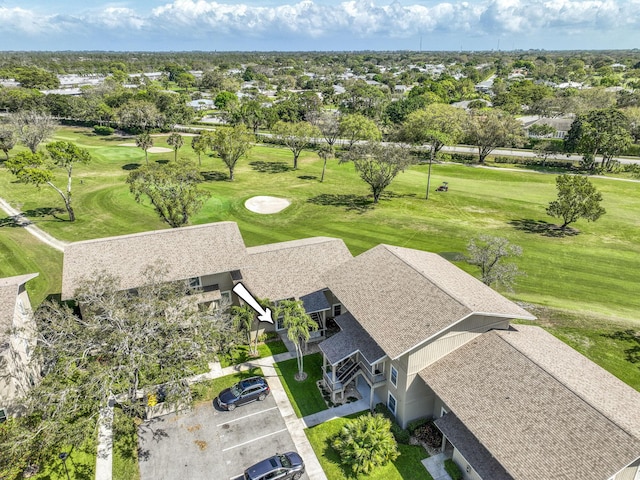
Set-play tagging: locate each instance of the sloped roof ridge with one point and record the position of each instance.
(17, 280)
(153, 232)
(291, 244)
(583, 398)
(428, 277)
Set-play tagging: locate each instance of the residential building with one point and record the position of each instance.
(17, 341)
(418, 334)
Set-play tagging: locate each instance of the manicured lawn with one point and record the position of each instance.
(81, 465)
(241, 354)
(304, 396)
(208, 390)
(125, 448)
(408, 466)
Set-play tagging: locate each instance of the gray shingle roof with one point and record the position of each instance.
(537, 407)
(185, 252)
(403, 296)
(351, 338)
(315, 302)
(292, 269)
(9, 289)
(473, 451)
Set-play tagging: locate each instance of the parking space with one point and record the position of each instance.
(208, 443)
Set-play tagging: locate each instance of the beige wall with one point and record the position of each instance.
(629, 473)
(468, 473)
(414, 398)
(17, 375)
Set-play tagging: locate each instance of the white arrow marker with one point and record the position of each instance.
(264, 314)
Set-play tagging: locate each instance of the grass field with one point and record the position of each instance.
(304, 396)
(408, 466)
(595, 272)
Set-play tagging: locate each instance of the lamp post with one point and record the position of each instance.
(63, 456)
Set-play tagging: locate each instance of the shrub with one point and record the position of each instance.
(429, 434)
(102, 130)
(413, 425)
(401, 436)
(453, 469)
(365, 443)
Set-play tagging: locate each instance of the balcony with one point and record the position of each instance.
(336, 379)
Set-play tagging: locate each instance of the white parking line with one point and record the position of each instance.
(246, 416)
(254, 440)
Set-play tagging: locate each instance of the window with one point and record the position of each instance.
(337, 310)
(194, 282)
(394, 376)
(225, 298)
(391, 403)
(280, 323)
(443, 411)
(3, 415)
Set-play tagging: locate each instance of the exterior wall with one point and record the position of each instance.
(223, 280)
(17, 375)
(632, 472)
(414, 398)
(468, 473)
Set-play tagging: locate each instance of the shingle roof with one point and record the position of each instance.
(185, 252)
(292, 269)
(351, 338)
(471, 449)
(403, 296)
(315, 302)
(537, 407)
(9, 289)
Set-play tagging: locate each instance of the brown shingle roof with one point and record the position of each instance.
(403, 296)
(292, 269)
(517, 393)
(185, 252)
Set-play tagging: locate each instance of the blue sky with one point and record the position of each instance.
(157, 25)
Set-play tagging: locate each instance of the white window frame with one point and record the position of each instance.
(391, 375)
(333, 309)
(3, 415)
(395, 403)
(225, 297)
(195, 282)
(443, 411)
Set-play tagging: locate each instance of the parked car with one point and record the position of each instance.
(281, 466)
(245, 391)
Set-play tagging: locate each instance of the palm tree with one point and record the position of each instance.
(299, 326)
(176, 141)
(145, 142)
(243, 318)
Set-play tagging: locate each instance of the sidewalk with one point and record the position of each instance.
(23, 221)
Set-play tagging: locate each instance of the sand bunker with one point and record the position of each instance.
(150, 150)
(266, 205)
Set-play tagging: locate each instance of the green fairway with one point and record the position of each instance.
(596, 271)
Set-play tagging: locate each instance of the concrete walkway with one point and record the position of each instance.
(435, 467)
(104, 457)
(23, 221)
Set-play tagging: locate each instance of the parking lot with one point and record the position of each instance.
(208, 443)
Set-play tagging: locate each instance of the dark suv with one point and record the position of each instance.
(279, 467)
(245, 391)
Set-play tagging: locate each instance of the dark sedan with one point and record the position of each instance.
(245, 391)
(285, 466)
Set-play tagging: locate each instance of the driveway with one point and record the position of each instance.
(206, 443)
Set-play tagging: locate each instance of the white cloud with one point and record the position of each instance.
(308, 19)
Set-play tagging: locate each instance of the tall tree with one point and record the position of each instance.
(145, 142)
(489, 129)
(577, 198)
(356, 127)
(37, 169)
(603, 132)
(139, 116)
(329, 125)
(299, 326)
(378, 164)
(171, 188)
(325, 152)
(176, 141)
(199, 144)
(296, 136)
(436, 125)
(492, 255)
(123, 342)
(33, 127)
(7, 139)
(231, 144)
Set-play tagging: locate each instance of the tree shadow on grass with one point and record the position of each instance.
(389, 194)
(542, 228)
(358, 203)
(307, 177)
(23, 219)
(215, 176)
(271, 167)
(131, 166)
(162, 161)
(632, 354)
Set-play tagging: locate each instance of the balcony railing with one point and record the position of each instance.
(343, 378)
